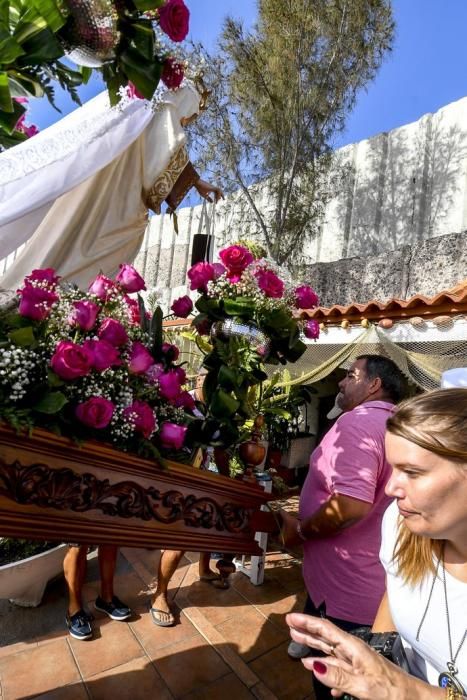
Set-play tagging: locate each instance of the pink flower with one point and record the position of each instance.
(171, 351)
(270, 284)
(169, 385)
(84, 314)
(133, 310)
(104, 355)
(96, 412)
(30, 130)
(236, 259)
(141, 416)
(219, 270)
(140, 358)
(154, 372)
(129, 279)
(102, 287)
(71, 361)
(45, 275)
(181, 374)
(305, 297)
(200, 274)
(113, 332)
(182, 307)
(132, 91)
(174, 19)
(311, 329)
(172, 436)
(172, 73)
(36, 302)
(186, 401)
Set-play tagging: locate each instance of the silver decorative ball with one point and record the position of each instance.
(92, 35)
(251, 333)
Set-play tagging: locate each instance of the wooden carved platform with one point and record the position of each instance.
(51, 488)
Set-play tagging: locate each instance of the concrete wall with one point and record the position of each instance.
(402, 189)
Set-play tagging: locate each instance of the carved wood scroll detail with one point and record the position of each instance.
(63, 489)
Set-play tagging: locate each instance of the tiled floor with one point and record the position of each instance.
(226, 643)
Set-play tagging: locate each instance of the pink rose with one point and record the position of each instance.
(46, 275)
(96, 412)
(84, 314)
(154, 372)
(102, 287)
(172, 436)
(182, 307)
(172, 73)
(236, 259)
(140, 358)
(36, 302)
(113, 332)
(311, 329)
(130, 280)
(174, 19)
(186, 401)
(305, 297)
(133, 310)
(71, 361)
(199, 275)
(104, 355)
(133, 92)
(141, 416)
(171, 351)
(181, 374)
(169, 385)
(270, 284)
(219, 270)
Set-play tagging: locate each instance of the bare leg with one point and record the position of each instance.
(205, 570)
(107, 554)
(74, 569)
(167, 566)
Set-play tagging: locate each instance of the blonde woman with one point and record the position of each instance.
(424, 553)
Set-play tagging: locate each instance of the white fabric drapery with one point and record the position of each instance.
(75, 192)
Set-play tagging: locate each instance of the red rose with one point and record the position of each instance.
(186, 401)
(96, 412)
(270, 284)
(172, 73)
(305, 297)
(172, 436)
(169, 385)
(45, 275)
(133, 310)
(141, 416)
(102, 287)
(236, 259)
(170, 351)
(36, 302)
(129, 279)
(182, 307)
(174, 19)
(71, 361)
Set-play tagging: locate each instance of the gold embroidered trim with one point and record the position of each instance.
(164, 183)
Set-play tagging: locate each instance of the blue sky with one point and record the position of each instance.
(426, 69)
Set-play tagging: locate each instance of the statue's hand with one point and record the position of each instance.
(205, 190)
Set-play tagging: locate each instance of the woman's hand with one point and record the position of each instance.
(351, 666)
(205, 189)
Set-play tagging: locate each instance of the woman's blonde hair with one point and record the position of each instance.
(436, 421)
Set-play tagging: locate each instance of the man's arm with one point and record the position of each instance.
(335, 515)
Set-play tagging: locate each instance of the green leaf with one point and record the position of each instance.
(228, 378)
(54, 380)
(155, 331)
(86, 73)
(24, 337)
(223, 405)
(143, 5)
(144, 74)
(50, 403)
(51, 12)
(42, 47)
(141, 35)
(10, 49)
(241, 306)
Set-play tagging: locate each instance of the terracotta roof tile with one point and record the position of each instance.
(448, 302)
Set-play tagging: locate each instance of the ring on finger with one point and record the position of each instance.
(332, 650)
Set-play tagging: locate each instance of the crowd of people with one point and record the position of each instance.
(383, 525)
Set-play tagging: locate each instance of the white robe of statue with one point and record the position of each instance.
(78, 192)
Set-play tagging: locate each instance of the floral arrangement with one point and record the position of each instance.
(92, 365)
(129, 41)
(252, 315)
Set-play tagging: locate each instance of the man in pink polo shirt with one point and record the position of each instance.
(343, 501)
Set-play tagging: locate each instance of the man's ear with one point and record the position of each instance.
(376, 385)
